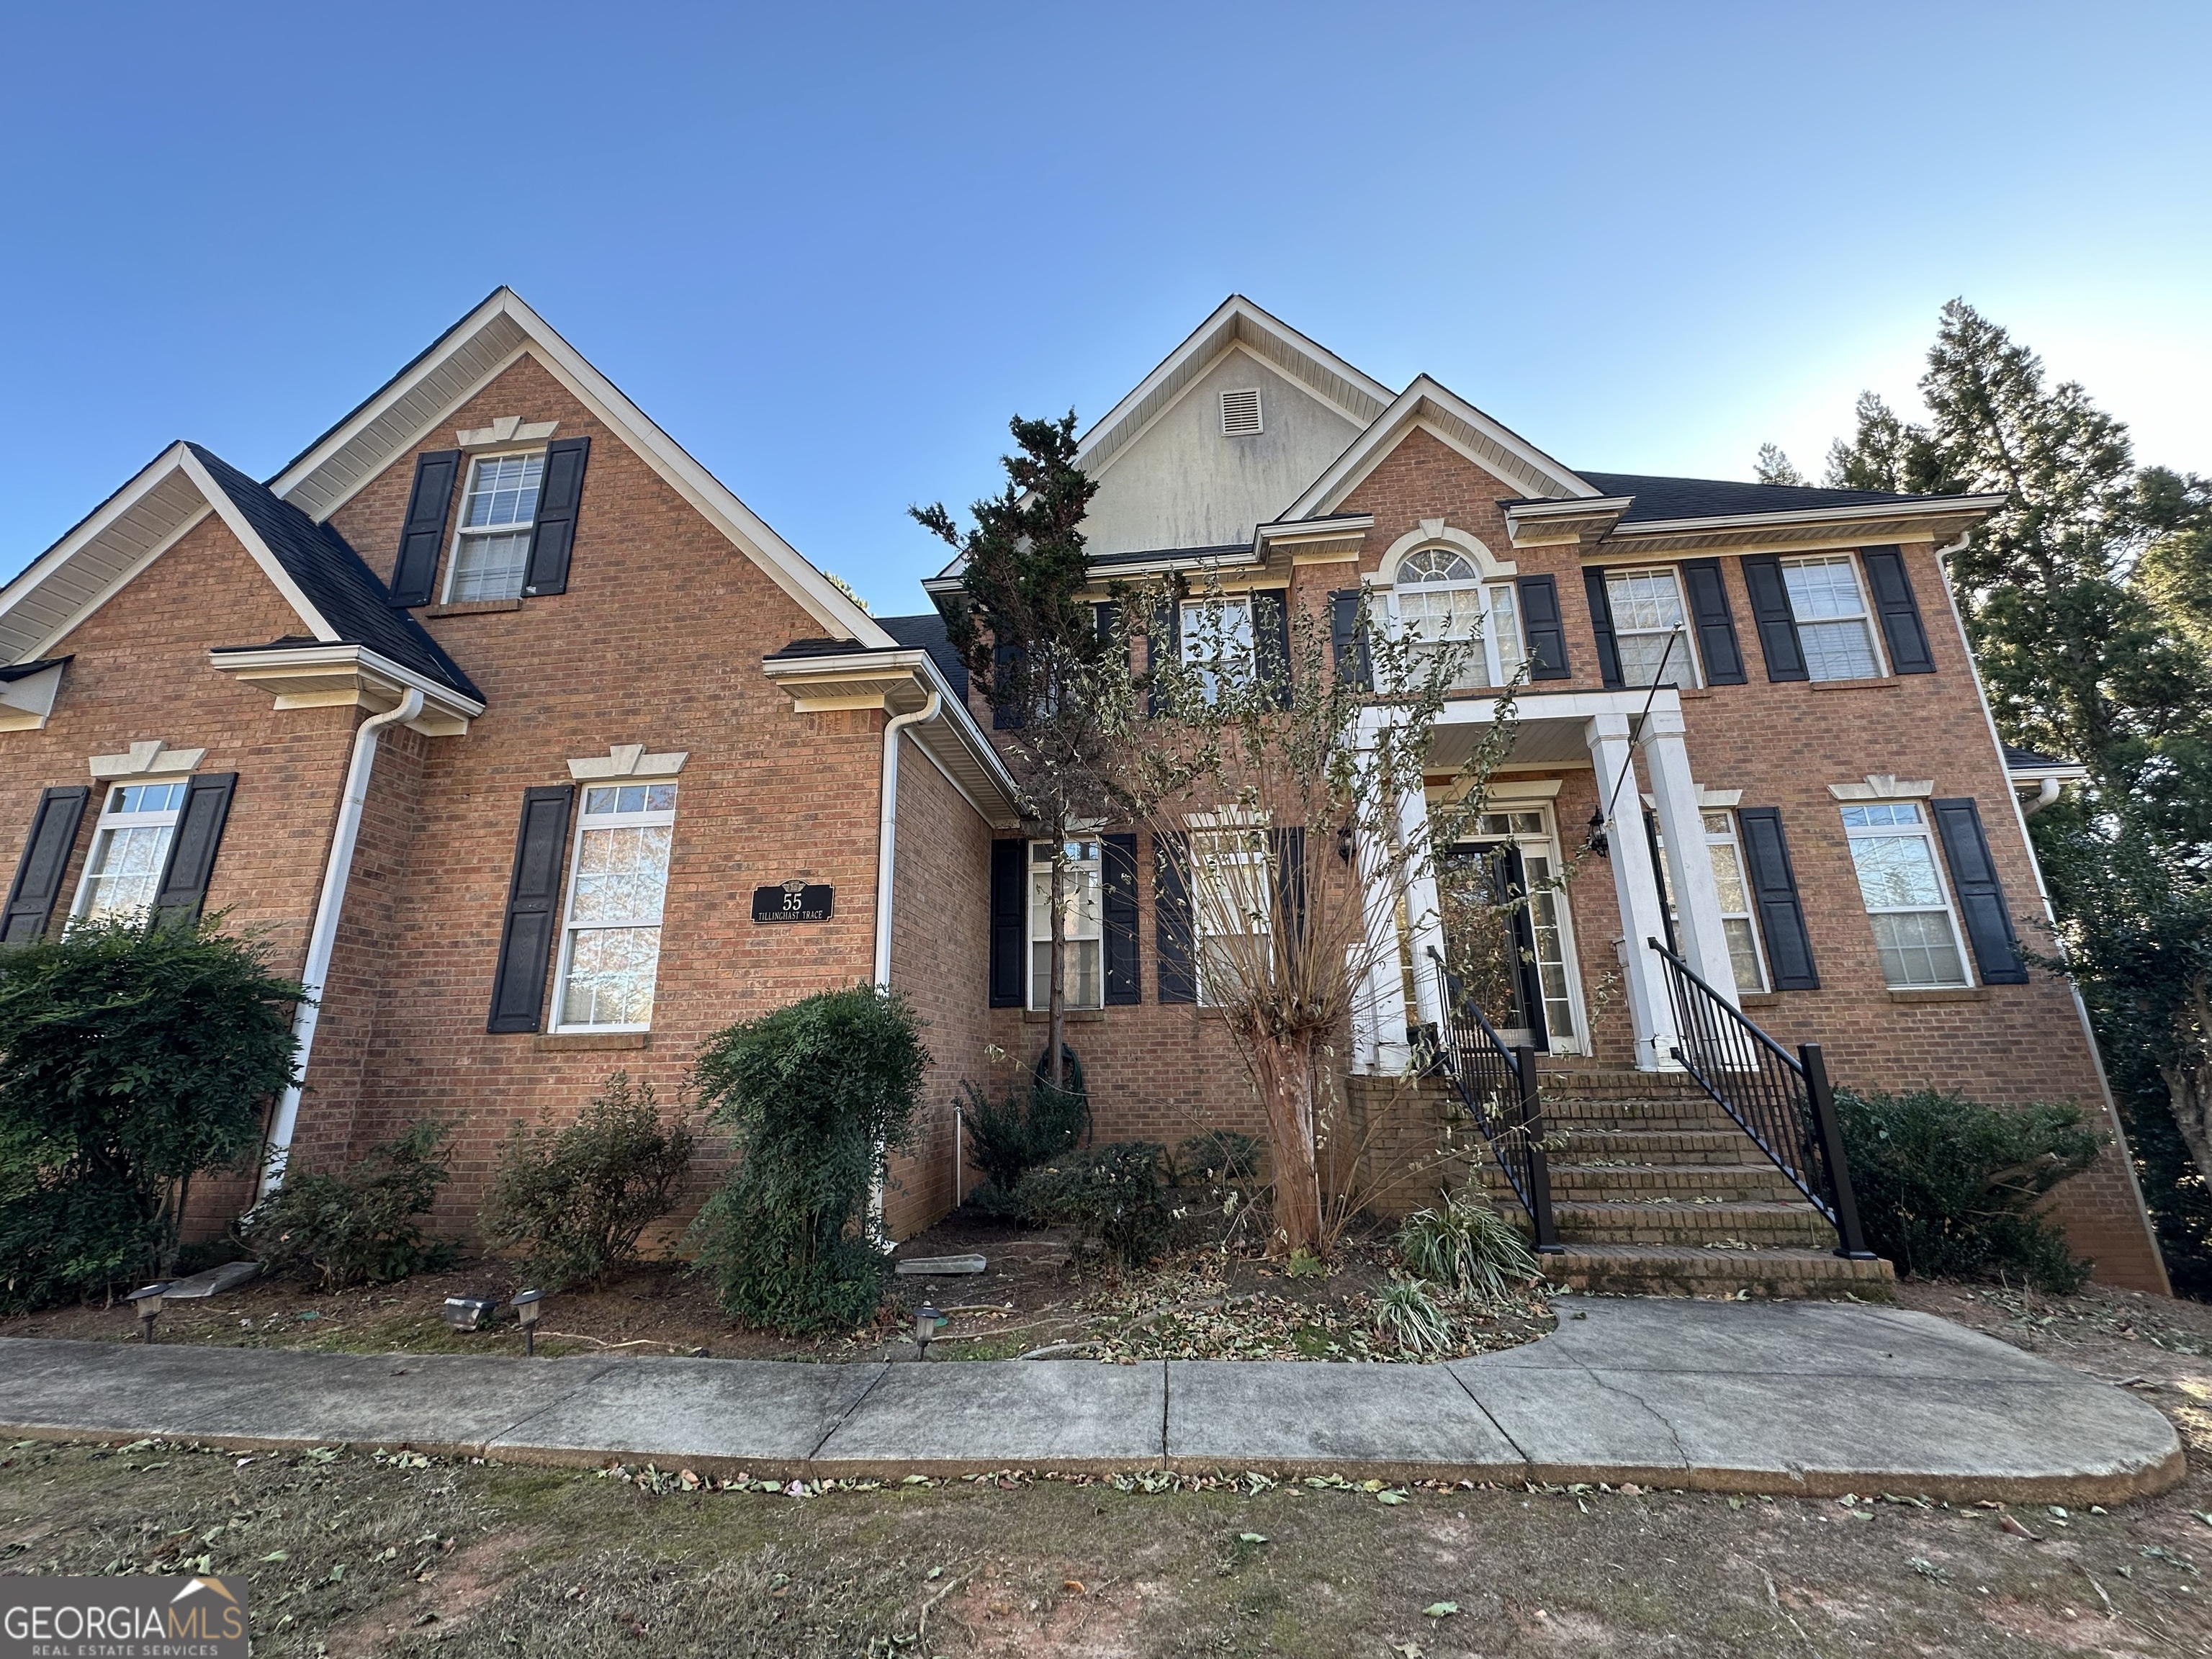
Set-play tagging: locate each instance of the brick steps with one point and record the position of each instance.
(1687, 1270)
(1734, 1183)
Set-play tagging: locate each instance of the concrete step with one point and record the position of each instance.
(1760, 1226)
(1689, 1270)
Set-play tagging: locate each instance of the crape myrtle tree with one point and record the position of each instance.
(1024, 631)
(1283, 793)
(2088, 596)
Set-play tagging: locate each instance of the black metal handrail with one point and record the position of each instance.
(1786, 1106)
(1497, 1084)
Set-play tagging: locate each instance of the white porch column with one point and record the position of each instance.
(1378, 1007)
(1424, 909)
(1698, 935)
(1636, 886)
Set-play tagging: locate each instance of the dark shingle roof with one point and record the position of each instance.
(1712, 498)
(927, 633)
(2030, 760)
(336, 580)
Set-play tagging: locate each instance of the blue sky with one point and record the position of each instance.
(832, 248)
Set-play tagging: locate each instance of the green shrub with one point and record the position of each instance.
(1408, 1315)
(1114, 1193)
(814, 1096)
(1947, 1186)
(575, 1201)
(132, 1058)
(1215, 1156)
(1008, 1138)
(1468, 1245)
(358, 1227)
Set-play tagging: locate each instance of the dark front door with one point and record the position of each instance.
(1491, 940)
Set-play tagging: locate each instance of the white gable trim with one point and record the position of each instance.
(468, 356)
(125, 534)
(1458, 425)
(1435, 532)
(1236, 323)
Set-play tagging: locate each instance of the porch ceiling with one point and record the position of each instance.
(1539, 741)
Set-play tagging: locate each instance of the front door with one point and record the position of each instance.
(1490, 938)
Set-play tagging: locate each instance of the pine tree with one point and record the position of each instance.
(1773, 466)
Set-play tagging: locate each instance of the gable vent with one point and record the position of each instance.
(1240, 413)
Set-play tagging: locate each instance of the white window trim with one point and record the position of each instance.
(1851, 561)
(1032, 915)
(1505, 797)
(111, 820)
(1733, 838)
(461, 531)
(1230, 822)
(568, 927)
(1926, 832)
(1494, 659)
(1686, 651)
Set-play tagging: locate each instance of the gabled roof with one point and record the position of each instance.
(464, 359)
(1488, 443)
(927, 633)
(1660, 498)
(1237, 321)
(337, 597)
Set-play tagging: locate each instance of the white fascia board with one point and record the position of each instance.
(1927, 506)
(1293, 530)
(1368, 450)
(1569, 509)
(226, 510)
(784, 565)
(1236, 314)
(342, 656)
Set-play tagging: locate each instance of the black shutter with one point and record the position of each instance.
(1125, 974)
(1171, 918)
(1600, 610)
(1290, 850)
(1900, 612)
(1771, 613)
(533, 904)
(1106, 620)
(1544, 628)
(1980, 896)
(1010, 921)
(1715, 621)
(1774, 890)
(1271, 641)
(1162, 639)
(560, 494)
(183, 887)
(1355, 664)
(45, 859)
(423, 536)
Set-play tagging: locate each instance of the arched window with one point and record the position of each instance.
(1441, 599)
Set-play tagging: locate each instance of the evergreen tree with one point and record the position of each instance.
(1773, 466)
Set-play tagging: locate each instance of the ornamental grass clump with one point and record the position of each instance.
(1948, 1185)
(1408, 1316)
(1469, 1245)
(574, 1202)
(814, 1097)
(360, 1226)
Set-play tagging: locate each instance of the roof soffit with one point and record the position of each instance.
(469, 355)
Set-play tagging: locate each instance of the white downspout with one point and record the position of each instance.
(322, 939)
(2044, 797)
(886, 873)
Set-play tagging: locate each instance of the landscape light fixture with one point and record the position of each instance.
(468, 1312)
(927, 1319)
(148, 1302)
(525, 1304)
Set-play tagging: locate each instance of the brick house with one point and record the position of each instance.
(399, 708)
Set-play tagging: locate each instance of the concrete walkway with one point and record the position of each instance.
(1808, 1398)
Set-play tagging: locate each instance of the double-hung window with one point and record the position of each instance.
(1216, 640)
(1083, 925)
(1232, 906)
(129, 846)
(611, 948)
(1726, 855)
(1914, 928)
(1443, 604)
(1834, 627)
(491, 552)
(1648, 628)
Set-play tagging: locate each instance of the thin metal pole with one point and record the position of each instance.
(1540, 1162)
(1852, 1244)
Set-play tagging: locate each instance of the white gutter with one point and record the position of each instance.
(2044, 797)
(322, 939)
(886, 872)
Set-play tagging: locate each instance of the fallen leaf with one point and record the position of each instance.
(277, 1555)
(2012, 1524)
(1390, 1498)
(1075, 1585)
(1441, 1609)
(1251, 1537)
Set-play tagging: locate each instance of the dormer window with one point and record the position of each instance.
(492, 549)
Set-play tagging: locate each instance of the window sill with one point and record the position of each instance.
(1944, 993)
(1884, 685)
(574, 1042)
(1044, 1017)
(472, 608)
(1760, 1000)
